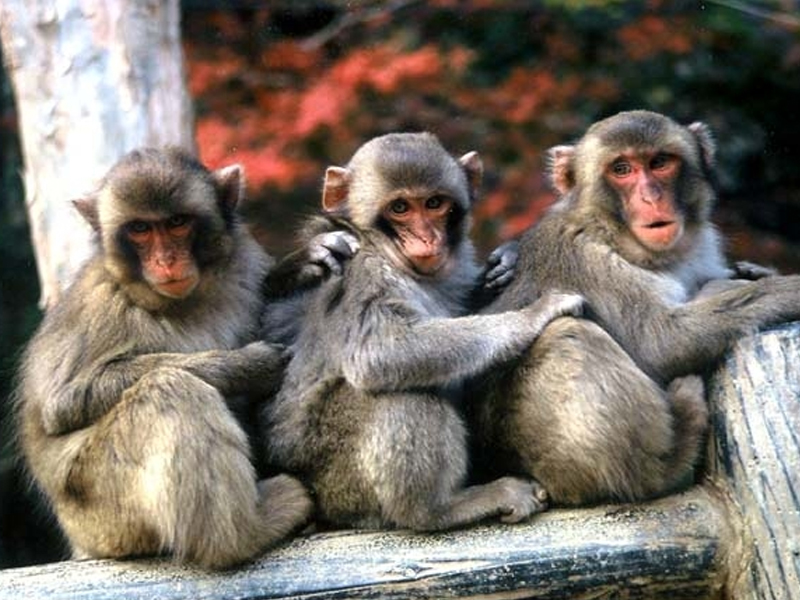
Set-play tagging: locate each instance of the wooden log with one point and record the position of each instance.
(665, 549)
(755, 397)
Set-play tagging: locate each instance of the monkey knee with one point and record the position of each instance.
(167, 387)
(687, 397)
(177, 405)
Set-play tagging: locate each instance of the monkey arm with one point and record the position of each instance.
(670, 341)
(254, 369)
(439, 351)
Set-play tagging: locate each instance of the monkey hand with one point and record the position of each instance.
(501, 266)
(264, 358)
(258, 367)
(327, 252)
(552, 305)
(751, 271)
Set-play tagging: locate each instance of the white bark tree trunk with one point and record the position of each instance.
(92, 79)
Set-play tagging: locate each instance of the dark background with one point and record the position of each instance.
(288, 87)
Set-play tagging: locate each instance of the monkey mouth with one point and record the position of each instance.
(428, 262)
(659, 235)
(177, 288)
(658, 224)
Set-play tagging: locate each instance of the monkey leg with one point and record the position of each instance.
(586, 422)
(414, 457)
(690, 412)
(168, 469)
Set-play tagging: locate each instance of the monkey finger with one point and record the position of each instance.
(751, 271)
(499, 277)
(333, 264)
(312, 272)
(342, 243)
(332, 249)
(266, 356)
(567, 303)
(506, 254)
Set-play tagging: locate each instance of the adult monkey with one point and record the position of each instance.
(123, 410)
(585, 410)
(367, 411)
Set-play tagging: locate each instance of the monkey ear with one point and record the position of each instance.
(230, 184)
(705, 141)
(335, 189)
(560, 168)
(87, 207)
(473, 167)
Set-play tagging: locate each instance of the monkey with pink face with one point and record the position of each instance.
(608, 408)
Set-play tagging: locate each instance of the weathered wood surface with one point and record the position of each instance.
(756, 415)
(666, 549)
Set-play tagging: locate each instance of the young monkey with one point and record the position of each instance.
(368, 412)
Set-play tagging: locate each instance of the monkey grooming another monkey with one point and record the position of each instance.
(594, 410)
(123, 412)
(368, 412)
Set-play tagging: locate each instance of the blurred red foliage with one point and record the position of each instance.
(508, 79)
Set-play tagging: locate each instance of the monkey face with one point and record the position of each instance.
(643, 177)
(162, 220)
(409, 188)
(419, 227)
(164, 251)
(645, 183)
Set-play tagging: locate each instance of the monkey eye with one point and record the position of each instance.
(621, 168)
(138, 227)
(436, 202)
(398, 206)
(660, 161)
(178, 221)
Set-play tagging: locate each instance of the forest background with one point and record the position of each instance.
(288, 87)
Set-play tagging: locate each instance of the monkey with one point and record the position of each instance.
(122, 407)
(611, 407)
(367, 414)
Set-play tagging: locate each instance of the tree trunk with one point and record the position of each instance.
(92, 79)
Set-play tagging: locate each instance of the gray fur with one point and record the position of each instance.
(123, 410)
(368, 411)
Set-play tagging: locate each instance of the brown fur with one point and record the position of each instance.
(124, 417)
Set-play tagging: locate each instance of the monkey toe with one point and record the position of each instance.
(539, 493)
(525, 498)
